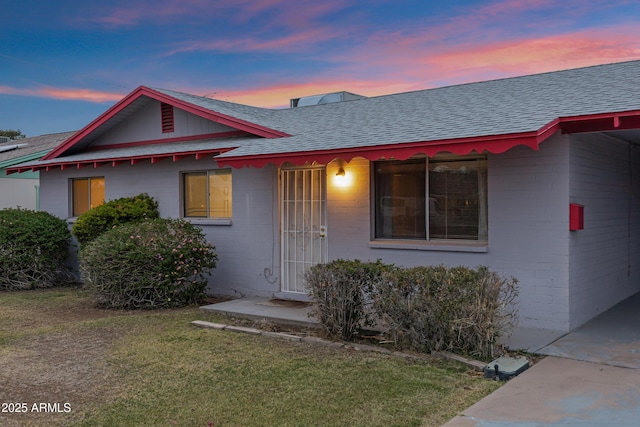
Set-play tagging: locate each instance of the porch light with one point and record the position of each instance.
(342, 179)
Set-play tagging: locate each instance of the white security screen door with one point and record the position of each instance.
(303, 224)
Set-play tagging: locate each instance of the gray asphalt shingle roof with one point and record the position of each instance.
(498, 107)
(490, 108)
(31, 145)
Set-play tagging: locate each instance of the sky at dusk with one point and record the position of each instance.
(65, 62)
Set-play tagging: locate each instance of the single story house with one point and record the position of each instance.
(23, 190)
(537, 177)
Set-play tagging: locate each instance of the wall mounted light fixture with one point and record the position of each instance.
(342, 178)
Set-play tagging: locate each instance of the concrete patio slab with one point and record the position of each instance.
(612, 338)
(285, 312)
(560, 392)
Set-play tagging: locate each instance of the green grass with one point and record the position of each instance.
(161, 371)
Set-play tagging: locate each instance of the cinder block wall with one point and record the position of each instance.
(528, 197)
(247, 248)
(605, 255)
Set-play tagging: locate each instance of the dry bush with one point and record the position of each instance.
(457, 309)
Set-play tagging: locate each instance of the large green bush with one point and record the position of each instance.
(150, 264)
(124, 210)
(339, 290)
(33, 249)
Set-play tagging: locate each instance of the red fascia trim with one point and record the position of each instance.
(75, 138)
(493, 144)
(229, 134)
(117, 161)
(145, 91)
(215, 117)
(601, 122)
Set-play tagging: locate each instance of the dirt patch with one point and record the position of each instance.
(46, 377)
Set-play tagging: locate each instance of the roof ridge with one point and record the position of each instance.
(500, 79)
(208, 99)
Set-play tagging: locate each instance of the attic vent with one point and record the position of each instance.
(166, 113)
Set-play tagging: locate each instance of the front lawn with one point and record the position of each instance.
(93, 367)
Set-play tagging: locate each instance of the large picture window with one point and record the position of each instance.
(87, 194)
(431, 199)
(207, 194)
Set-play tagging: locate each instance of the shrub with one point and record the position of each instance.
(149, 264)
(339, 290)
(437, 308)
(96, 221)
(33, 249)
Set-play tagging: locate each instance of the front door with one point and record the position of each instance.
(302, 223)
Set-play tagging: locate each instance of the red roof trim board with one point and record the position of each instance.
(200, 154)
(493, 144)
(224, 119)
(601, 122)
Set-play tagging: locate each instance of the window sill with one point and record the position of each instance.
(209, 221)
(416, 245)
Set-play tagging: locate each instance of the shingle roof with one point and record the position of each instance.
(212, 146)
(520, 107)
(26, 147)
(498, 107)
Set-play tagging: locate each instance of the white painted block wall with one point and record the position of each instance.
(248, 249)
(528, 197)
(528, 194)
(605, 256)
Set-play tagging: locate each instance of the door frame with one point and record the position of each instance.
(296, 289)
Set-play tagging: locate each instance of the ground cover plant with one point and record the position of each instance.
(33, 249)
(152, 368)
(148, 264)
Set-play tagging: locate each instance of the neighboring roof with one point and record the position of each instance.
(489, 116)
(24, 150)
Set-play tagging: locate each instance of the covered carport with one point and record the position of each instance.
(604, 264)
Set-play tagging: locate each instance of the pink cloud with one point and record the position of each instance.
(64, 94)
(137, 12)
(290, 13)
(293, 42)
(536, 55)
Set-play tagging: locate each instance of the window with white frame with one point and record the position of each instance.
(87, 193)
(207, 194)
(431, 199)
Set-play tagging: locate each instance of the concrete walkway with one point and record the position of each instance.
(591, 378)
(613, 338)
(560, 392)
